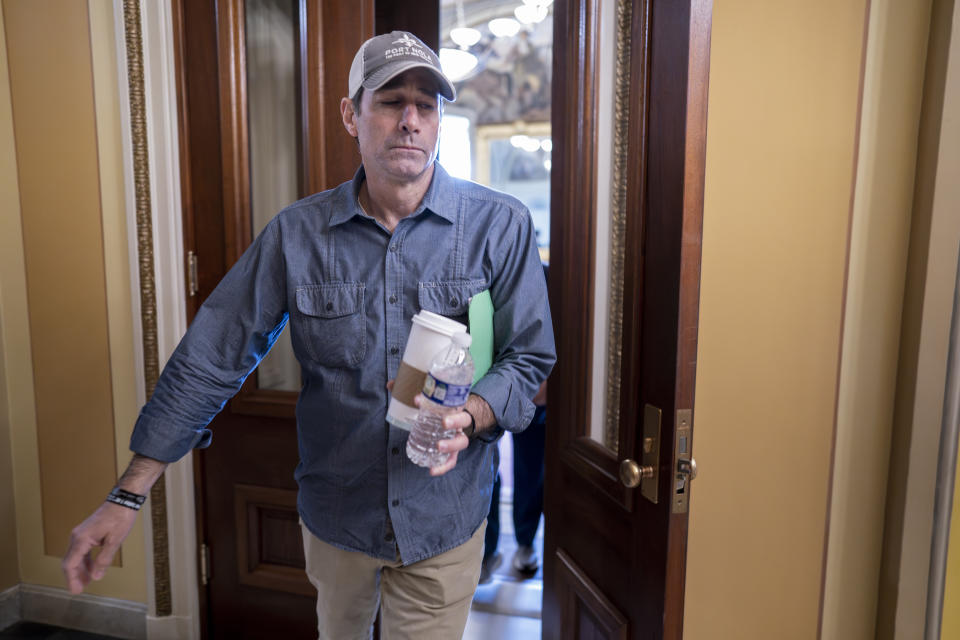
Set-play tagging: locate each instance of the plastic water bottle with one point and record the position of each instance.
(445, 391)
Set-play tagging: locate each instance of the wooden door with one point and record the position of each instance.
(234, 176)
(251, 554)
(614, 559)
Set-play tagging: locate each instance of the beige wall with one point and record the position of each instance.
(64, 281)
(830, 249)
(882, 211)
(9, 248)
(783, 107)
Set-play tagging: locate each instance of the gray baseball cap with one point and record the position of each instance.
(384, 57)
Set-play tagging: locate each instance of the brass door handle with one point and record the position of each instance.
(632, 473)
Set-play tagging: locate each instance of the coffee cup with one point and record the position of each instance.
(429, 334)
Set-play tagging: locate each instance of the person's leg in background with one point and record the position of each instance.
(491, 557)
(528, 490)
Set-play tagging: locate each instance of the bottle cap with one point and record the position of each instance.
(462, 339)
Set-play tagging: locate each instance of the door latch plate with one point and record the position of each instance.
(682, 452)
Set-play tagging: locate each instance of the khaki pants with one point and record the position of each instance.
(427, 600)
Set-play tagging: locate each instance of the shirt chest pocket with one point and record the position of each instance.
(450, 298)
(332, 323)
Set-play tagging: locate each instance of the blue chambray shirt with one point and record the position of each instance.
(349, 290)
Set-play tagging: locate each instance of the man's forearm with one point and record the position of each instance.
(141, 474)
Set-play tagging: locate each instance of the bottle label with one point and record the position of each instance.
(447, 395)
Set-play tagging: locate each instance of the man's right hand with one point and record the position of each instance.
(106, 529)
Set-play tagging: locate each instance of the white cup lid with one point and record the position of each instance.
(438, 323)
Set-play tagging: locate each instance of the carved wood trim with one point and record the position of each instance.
(148, 303)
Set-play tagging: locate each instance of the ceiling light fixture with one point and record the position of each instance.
(504, 27)
(464, 37)
(530, 13)
(456, 63)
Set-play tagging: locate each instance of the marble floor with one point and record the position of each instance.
(37, 631)
(508, 607)
(493, 626)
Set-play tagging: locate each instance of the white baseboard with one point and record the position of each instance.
(94, 614)
(10, 606)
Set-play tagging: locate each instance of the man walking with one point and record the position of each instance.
(347, 269)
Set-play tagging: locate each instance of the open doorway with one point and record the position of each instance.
(498, 133)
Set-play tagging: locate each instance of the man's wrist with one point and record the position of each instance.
(141, 474)
(483, 424)
(471, 430)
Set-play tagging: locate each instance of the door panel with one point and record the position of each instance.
(585, 607)
(614, 559)
(269, 547)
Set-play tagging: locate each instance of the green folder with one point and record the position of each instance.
(481, 331)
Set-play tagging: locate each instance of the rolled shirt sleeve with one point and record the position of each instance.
(522, 326)
(234, 328)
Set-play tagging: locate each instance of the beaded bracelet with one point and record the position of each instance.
(126, 498)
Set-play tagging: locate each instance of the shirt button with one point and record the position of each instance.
(395, 451)
(388, 537)
(393, 299)
(329, 306)
(454, 302)
(394, 350)
(393, 248)
(396, 503)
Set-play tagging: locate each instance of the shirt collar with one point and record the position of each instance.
(439, 200)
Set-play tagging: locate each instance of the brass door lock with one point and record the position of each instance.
(631, 473)
(645, 473)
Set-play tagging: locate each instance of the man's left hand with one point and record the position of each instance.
(459, 421)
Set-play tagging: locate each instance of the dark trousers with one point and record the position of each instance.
(527, 486)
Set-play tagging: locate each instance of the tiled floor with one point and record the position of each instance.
(508, 608)
(37, 631)
(492, 626)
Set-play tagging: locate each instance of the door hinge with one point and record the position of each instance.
(204, 564)
(192, 280)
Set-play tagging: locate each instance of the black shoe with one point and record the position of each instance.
(489, 565)
(525, 560)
